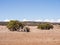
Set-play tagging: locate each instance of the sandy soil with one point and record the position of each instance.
(34, 37)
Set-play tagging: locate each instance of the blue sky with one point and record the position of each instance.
(29, 9)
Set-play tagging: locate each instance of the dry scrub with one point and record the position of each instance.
(34, 37)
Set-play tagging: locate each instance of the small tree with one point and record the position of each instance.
(14, 25)
(46, 26)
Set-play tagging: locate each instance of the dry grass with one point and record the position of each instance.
(35, 37)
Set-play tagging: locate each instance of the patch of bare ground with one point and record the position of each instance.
(34, 37)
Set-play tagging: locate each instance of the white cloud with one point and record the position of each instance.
(25, 20)
(38, 20)
(52, 20)
(7, 20)
(49, 20)
(45, 20)
(58, 20)
(32, 20)
(4, 20)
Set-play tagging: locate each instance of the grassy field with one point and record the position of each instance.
(34, 37)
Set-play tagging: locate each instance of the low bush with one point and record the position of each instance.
(14, 25)
(46, 26)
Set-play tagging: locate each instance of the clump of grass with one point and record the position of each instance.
(46, 26)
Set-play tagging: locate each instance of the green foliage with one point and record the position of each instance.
(14, 25)
(46, 26)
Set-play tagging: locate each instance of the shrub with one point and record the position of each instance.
(46, 26)
(14, 25)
